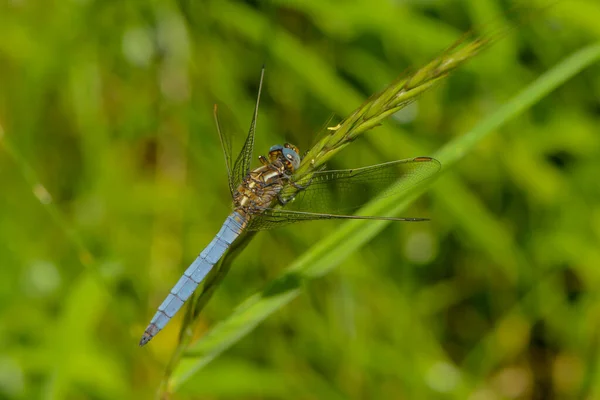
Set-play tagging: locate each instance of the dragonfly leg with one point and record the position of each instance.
(263, 160)
(297, 185)
(301, 187)
(283, 201)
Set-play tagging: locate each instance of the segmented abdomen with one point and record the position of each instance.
(196, 272)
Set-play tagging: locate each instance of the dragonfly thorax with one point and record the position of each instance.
(260, 188)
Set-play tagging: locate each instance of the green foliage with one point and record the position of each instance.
(113, 180)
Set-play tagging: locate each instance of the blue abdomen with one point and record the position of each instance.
(195, 274)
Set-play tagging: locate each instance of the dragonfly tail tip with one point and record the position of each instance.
(145, 339)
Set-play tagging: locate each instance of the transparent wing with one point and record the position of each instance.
(242, 164)
(226, 128)
(341, 191)
(230, 137)
(274, 218)
(336, 193)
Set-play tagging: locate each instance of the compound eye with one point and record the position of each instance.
(292, 147)
(276, 147)
(293, 157)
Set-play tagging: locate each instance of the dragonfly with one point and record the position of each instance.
(260, 201)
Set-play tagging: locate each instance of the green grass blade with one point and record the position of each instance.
(455, 150)
(328, 253)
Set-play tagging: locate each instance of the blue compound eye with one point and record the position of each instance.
(292, 156)
(276, 147)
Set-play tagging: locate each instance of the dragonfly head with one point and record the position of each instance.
(288, 154)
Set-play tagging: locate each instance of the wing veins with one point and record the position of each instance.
(334, 191)
(242, 163)
(271, 217)
(226, 147)
(334, 194)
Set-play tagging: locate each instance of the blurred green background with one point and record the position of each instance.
(112, 180)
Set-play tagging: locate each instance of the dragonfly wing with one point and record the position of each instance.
(242, 163)
(231, 137)
(274, 218)
(343, 191)
(225, 131)
(334, 194)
